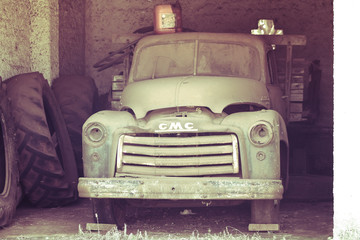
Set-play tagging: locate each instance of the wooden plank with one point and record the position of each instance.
(118, 82)
(117, 85)
(294, 40)
(295, 71)
(116, 105)
(298, 70)
(295, 117)
(296, 61)
(100, 226)
(296, 107)
(296, 92)
(294, 79)
(288, 71)
(298, 66)
(297, 79)
(299, 60)
(298, 97)
(116, 95)
(263, 227)
(297, 86)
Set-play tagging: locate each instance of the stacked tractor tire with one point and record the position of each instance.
(40, 139)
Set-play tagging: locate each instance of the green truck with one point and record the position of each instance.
(197, 119)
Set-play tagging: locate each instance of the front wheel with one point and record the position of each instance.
(109, 211)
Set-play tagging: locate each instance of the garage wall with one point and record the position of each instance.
(71, 37)
(44, 37)
(29, 38)
(109, 23)
(15, 41)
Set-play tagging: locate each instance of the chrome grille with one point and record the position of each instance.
(173, 155)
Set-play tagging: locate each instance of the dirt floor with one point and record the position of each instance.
(299, 220)
(306, 213)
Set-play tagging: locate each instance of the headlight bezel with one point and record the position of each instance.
(95, 132)
(261, 133)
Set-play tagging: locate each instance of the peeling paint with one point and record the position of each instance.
(180, 188)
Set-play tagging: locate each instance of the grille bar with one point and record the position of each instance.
(181, 161)
(177, 141)
(183, 171)
(177, 151)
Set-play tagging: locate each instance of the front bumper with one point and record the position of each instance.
(180, 188)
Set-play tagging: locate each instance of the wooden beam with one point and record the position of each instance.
(263, 227)
(293, 40)
(99, 226)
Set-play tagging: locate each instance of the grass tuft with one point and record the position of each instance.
(229, 233)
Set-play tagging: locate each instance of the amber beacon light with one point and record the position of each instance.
(167, 18)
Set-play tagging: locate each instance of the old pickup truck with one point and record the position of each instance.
(200, 119)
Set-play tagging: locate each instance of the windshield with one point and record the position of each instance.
(197, 58)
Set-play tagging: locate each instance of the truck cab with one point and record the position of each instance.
(200, 120)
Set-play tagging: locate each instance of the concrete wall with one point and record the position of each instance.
(71, 37)
(14, 38)
(42, 35)
(109, 23)
(29, 37)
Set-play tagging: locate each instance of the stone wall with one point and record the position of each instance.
(29, 38)
(44, 38)
(14, 38)
(72, 37)
(109, 23)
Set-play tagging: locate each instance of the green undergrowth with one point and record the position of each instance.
(228, 234)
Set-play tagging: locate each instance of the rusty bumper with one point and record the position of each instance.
(179, 188)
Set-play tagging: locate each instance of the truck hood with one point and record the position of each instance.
(216, 93)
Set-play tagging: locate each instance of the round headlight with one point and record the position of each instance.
(261, 133)
(95, 132)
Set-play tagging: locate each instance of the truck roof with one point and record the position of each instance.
(248, 39)
(256, 42)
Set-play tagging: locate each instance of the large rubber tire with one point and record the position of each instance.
(77, 96)
(47, 164)
(9, 173)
